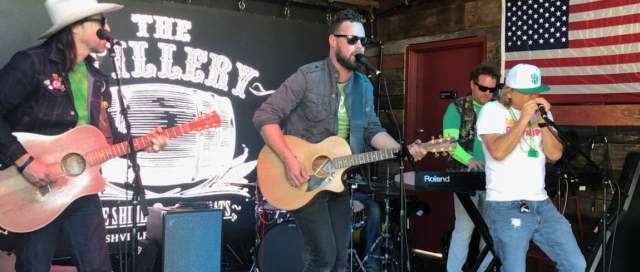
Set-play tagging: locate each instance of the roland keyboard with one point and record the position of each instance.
(445, 181)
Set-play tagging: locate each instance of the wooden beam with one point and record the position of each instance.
(597, 115)
(326, 3)
(361, 3)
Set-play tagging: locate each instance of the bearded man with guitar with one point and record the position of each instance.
(50, 89)
(323, 99)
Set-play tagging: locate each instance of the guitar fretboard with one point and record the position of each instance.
(100, 156)
(363, 158)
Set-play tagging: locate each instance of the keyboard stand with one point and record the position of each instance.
(483, 229)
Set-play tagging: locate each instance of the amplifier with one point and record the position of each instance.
(191, 239)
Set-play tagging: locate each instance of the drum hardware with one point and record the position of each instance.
(386, 238)
(352, 252)
(267, 218)
(258, 212)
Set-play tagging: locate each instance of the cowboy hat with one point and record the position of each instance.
(66, 12)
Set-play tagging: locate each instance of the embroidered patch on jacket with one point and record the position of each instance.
(55, 83)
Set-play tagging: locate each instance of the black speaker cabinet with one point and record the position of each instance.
(191, 239)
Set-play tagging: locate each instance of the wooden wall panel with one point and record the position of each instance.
(597, 115)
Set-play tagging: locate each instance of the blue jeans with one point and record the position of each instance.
(324, 224)
(512, 228)
(372, 230)
(82, 225)
(461, 235)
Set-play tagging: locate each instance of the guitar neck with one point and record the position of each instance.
(102, 155)
(364, 158)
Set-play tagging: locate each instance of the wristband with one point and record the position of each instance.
(25, 164)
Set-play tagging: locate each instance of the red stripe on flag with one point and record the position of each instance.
(578, 61)
(592, 79)
(611, 98)
(605, 22)
(603, 41)
(600, 5)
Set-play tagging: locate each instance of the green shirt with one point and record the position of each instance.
(79, 85)
(343, 117)
(451, 127)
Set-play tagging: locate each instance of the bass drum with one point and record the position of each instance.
(281, 248)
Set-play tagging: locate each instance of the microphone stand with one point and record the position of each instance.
(606, 181)
(403, 153)
(138, 198)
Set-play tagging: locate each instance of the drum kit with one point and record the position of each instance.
(277, 235)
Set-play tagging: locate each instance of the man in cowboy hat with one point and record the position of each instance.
(48, 90)
(516, 144)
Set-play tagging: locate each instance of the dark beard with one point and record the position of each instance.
(344, 61)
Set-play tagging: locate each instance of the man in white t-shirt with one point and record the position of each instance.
(516, 144)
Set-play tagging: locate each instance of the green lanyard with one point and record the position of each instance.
(529, 141)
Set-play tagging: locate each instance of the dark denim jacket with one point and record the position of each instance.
(29, 103)
(308, 102)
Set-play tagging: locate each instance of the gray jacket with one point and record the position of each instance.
(307, 103)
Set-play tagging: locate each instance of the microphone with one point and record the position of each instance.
(542, 111)
(105, 35)
(362, 60)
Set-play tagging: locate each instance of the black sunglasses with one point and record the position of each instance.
(486, 89)
(102, 21)
(352, 39)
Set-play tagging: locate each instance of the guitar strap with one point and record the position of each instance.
(356, 109)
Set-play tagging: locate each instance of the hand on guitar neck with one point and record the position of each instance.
(158, 140)
(415, 150)
(40, 174)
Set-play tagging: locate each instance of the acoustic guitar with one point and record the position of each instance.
(75, 158)
(325, 162)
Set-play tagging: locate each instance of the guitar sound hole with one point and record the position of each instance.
(322, 167)
(73, 164)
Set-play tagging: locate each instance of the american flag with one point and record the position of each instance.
(588, 50)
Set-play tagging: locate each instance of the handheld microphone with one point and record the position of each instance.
(362, 60)
(105, 35)
(543, 112)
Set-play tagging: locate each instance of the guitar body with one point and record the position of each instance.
(272, 177)
(75, 158)
(25, 207)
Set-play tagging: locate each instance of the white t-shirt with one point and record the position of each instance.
(518, 176)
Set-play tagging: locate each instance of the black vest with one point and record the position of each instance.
(464, 106)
